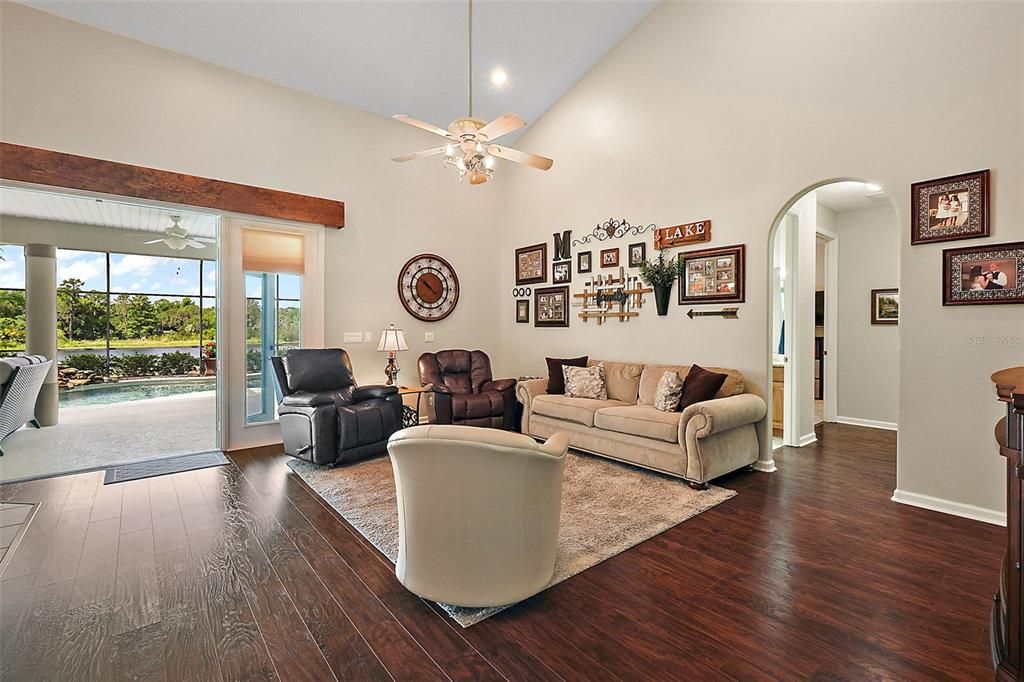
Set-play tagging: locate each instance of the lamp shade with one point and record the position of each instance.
(392, 340)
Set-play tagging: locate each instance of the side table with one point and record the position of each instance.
(410, 414)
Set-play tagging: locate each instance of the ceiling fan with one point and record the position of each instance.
(177, 237)
(470, 149)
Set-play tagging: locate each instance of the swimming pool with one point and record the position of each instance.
(103, 394)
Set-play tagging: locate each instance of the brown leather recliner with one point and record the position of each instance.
(464, 391)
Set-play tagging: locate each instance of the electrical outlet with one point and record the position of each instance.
(353, 337)
(368, 337)
(428, 337)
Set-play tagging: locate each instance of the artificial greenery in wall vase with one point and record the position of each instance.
(660, 274)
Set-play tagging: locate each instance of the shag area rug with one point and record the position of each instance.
(607, 507)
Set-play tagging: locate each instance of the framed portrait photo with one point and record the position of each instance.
(523, 311)
(980, 275)
(637, 254)
(885, 306)
(584, 262)
(948, 209)
(610, 258)
(561, 272)
(713, 275)
(532, 264)
(551, 307)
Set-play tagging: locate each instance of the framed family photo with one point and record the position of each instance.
(523, 311)
(532, 264)
(561, 272)
(551, 307)
(584, 262)
(949, 209)
(980, 275)
(713, 275)
(610, 258)
(637, 254)
(885, 306)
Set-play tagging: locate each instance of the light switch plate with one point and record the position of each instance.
(428, 337)
(353, 337)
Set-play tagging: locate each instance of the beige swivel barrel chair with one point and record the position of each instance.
(478, 513)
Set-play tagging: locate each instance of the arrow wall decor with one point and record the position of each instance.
(724, 313)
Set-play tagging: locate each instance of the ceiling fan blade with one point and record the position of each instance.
(516, 156)
(430, 128)
(154, 241)
(503, 125)
(194, 244)
(419, 155)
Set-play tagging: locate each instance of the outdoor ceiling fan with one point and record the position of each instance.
(177, 237)
(470, 149)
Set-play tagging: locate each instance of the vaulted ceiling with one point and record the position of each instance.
(384, 57)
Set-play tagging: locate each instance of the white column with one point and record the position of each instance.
(41, 321)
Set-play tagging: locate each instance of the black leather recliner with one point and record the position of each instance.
(325, 418)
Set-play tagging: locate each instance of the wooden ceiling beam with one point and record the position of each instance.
(69, 171)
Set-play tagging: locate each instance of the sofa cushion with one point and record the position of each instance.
(700, 385)
(640, 420)
(556, 379)
(653, 373)
(669, 391)
(8, 365)
(585, 382)
(578, 410)
(623, 379)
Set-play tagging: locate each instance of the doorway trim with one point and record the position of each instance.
(831, 394)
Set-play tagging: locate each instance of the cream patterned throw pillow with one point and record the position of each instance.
(668, 392)
(585, 382)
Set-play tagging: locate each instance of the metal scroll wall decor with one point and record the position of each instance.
(608, 296)
(613, 229)
(520, 292)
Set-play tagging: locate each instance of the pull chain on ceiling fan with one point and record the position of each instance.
(470, 149)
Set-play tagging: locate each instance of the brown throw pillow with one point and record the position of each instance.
(556, 378)
(700, 385)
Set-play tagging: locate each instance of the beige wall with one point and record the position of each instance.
(727, 111)
(76, 89)
(868, 357)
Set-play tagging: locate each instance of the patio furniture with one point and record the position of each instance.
(478, 513)
(21, 377)
(464, 391)
(325, 417)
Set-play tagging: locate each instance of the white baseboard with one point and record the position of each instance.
(869, 423)
(968, 511)
(807, 439)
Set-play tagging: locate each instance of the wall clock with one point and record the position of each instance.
(428, 287)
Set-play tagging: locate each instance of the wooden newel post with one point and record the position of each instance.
(1006, 633)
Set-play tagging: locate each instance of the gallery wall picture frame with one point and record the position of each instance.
(714, 275)
(950, 208)
(523, 311)
(532, 264)
(983, 275)
(637, 254)
(610, 258)
(551, 307)
(561, 272)
(885, 306)
(584, 262)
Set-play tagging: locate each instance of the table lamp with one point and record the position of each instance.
(391, 341)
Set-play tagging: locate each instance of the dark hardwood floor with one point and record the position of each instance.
(240, 572)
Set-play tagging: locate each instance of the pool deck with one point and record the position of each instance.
(97, 436)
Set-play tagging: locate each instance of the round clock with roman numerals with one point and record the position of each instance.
(428, 287)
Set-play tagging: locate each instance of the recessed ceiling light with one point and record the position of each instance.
(499, 77)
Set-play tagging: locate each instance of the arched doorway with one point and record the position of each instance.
(833, 333)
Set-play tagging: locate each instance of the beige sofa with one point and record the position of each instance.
(702, 442)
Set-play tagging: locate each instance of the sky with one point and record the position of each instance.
(134, 274)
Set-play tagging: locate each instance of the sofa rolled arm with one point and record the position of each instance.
(527, 390)
(307, 399)
(370, 392)
(498, 385)
(721, 414)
